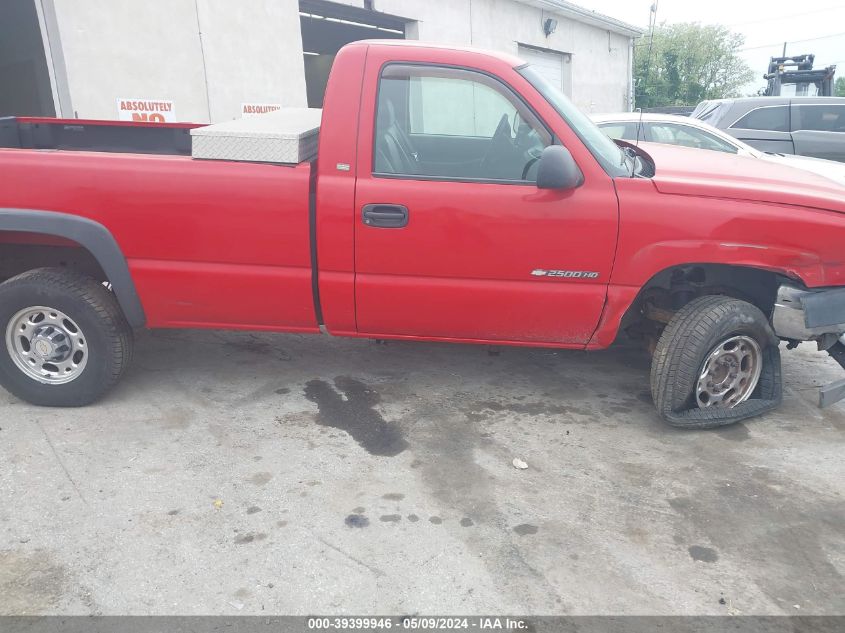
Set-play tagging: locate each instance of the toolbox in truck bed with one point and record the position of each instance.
(286, 136)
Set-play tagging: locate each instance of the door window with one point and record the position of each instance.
(821, 117)
(455, 124)
(688, 136)
(623, 130)
(772, 118)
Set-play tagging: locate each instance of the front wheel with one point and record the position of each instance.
(717, 362)
(66, 340)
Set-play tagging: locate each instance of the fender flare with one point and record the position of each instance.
(92, 236)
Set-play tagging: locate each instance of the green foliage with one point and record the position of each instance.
(690, 62)
(839, 87)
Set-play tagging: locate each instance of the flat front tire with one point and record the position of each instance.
(66, 341)
(717, 362)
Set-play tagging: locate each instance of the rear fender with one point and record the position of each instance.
(92, 236)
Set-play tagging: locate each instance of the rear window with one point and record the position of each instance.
(772, 118)
(818, 116)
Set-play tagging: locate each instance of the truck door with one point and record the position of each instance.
(452, 237)
(818, 130)
(765, 128)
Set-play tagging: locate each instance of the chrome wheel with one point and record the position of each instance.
(46, 345)
(730, 373)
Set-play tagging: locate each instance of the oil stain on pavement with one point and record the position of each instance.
(357, 521)
(355, 415)
(703, 554)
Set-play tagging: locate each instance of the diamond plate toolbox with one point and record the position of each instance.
(287, 136)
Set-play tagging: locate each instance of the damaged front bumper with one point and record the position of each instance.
(814, 315)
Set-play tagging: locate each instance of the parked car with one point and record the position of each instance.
(689, 132)
(807, 126)
(457, 196)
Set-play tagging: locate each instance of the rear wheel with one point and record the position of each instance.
(717, 362)
(66, 340)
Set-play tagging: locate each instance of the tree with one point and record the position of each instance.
(688, 63)
(839, 87)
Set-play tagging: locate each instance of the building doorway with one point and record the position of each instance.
(327, 27)
(24, 77)
(554, 66)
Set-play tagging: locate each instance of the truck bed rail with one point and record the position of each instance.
(96, 136)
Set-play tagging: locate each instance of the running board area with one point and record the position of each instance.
(835, 391)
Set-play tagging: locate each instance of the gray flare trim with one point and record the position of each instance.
(91, 235)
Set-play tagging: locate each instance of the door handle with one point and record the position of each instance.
(385, 216)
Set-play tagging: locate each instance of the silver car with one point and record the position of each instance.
(689, 132)
(807, 126)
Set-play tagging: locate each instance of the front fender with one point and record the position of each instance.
(795, 263)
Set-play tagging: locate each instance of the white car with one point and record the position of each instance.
(681, 130)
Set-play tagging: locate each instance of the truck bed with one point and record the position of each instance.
(190, 230)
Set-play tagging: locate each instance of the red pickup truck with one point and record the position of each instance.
(456, 196)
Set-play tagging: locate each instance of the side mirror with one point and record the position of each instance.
(557, 169)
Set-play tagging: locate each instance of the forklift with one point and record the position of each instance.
(798, 70)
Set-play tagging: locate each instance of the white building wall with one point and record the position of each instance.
(250, 51)
(600, 58)
(209, 56)
(253, 54)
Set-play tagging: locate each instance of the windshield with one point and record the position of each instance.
(614, 161)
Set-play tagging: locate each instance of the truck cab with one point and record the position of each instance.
(454, 237)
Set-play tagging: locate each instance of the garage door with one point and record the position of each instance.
(553, 66)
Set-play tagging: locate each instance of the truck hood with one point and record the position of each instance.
(694, 172)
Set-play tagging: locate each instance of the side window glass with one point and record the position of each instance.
(711, 141)
(456, 107)
(661, 134)
(625, 131)
(772, 118)
(688, 136)
(640, 129)
(820, 117)
(453, 124)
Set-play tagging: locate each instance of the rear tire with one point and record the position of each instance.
(66, 341)
(685, 346)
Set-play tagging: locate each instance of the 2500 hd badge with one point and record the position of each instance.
(568, 274)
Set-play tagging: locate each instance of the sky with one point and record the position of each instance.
(766, 24)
